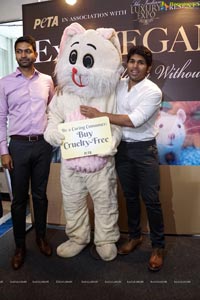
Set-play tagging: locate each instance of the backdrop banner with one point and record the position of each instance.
(171, 30)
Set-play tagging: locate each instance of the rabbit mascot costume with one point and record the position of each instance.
(88, 69)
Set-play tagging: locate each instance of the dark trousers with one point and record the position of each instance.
(31, 167)
(138, 171)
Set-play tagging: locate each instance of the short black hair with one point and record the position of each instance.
(27, 39)
(140, 50)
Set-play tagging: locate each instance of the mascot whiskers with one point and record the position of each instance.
(88, 69)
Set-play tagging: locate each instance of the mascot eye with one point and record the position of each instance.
(73, 57)
(88, 61)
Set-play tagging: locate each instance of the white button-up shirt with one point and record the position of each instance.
(141, 104)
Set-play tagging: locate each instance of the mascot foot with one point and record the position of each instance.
(69, 249)
(107, 252)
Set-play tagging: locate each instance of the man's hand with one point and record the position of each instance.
(116, 119)
(90, 112)
(6, 161)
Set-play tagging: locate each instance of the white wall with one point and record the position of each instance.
(11, 10)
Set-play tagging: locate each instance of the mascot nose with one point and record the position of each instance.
(77, 79)
(74, 70)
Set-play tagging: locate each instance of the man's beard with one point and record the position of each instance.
(25, 63)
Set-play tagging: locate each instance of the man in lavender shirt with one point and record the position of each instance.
(24, 97)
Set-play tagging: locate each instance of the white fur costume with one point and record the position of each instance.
(88, 69)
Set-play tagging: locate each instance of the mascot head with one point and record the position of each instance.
(89, 61)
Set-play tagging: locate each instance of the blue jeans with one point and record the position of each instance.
(138, 170)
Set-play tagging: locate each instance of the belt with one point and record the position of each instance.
(28, 138)
(140, 144)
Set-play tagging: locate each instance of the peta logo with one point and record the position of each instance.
(46, 22)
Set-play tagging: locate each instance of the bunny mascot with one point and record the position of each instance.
(88, 69)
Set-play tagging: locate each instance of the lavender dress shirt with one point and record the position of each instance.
(23, 105)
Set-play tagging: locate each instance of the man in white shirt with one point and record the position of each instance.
(138, 103)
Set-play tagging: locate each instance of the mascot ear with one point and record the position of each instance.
(69, 32)
(110, 34)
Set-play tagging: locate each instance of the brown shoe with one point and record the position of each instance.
(129, 246)
(156, 259)
(44, 247)
(18, 259)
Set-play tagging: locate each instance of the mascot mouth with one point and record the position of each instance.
(77, 79)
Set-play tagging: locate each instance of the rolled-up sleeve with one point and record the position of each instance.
(148, 105)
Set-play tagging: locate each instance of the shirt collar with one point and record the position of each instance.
(139, 85)
(19, 73)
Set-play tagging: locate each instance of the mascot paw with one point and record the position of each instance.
(69, 249)
(55, 138)
(107, 252)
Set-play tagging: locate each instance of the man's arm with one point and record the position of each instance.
(6, 159)
(120, 120)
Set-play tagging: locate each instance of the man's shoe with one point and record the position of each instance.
(44, 247)
(129, 246)
(18, 259)
(156, 259)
